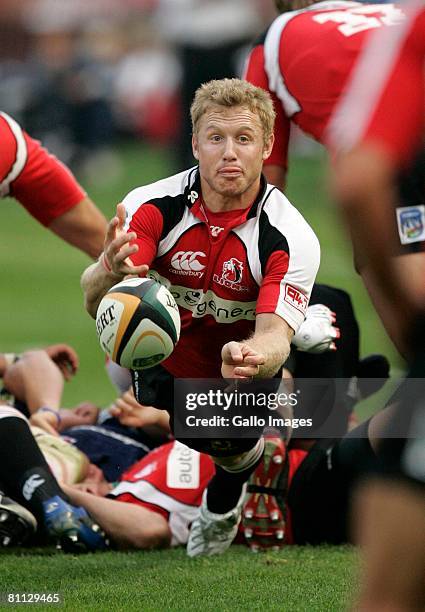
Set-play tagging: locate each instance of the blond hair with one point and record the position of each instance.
(234, 92)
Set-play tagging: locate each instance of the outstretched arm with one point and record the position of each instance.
(113, 264)
(83, 226)
(262, 354)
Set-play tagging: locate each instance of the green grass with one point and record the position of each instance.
(41, 303)
(300, 578)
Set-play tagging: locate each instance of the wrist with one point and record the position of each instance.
(51, 411)
(104, 262)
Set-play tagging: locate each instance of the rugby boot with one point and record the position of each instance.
(72, 528)
(17, 524)
(263, 516)
(211, 533)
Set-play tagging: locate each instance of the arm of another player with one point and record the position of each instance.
(276, 165)
(113, 265)
(129, 525)
(260, 355)
(83, 226)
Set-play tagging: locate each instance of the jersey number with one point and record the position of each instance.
(358, 19)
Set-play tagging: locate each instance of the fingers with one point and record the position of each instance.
(121, 214)
(240, 361)
(65, 357)
(118, 253)
(247, 371)
(231, 353)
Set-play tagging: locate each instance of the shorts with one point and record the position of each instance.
(155, 387)
(320, 493)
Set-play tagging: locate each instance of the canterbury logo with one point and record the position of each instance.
(187, 261)
(31, 485)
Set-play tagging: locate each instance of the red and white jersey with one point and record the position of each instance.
(170, 480)
(304, 61)
(38, 180)
(385, 101)
(221, 268)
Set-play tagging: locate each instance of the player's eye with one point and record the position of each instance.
(215, 138)
(244, 138)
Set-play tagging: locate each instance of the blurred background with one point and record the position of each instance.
(83, 75)
(106, 85)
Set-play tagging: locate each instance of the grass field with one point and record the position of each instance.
(41, 303)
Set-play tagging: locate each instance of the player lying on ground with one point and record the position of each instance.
(249, 247)
(156, 500)
(170, 480)
(109, 437)
(47, 189)
(25, 476)
(166, 486)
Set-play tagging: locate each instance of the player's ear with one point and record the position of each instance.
(195, 146)
(268, 146)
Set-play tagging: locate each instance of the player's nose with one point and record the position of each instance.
(229, 149)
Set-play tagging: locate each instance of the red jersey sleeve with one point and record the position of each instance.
(37, 179)
(147, 222)
(9, 151)
(255, 73)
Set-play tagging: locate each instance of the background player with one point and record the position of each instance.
(305, 60)
(387, 97)
(273, 252)
(48, 190)
(25, 475)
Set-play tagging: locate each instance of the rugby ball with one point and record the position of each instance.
(138, 323)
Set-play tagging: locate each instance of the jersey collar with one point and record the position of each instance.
(192, 194)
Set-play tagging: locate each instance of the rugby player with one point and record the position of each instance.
(247, 249)
(305, 60)
(168, 484)
(386, 99)
(26, 477)
(106, 436)
(48, 190)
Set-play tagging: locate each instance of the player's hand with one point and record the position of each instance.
(317, 333)
(85, 413)
(65, 358)
(117, 248)
(46, 421)
(239, 360)
(132, 414)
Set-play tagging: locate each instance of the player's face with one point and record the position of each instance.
(229, 145)
(94, 482)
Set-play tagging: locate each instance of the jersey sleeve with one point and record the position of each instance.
(255, 73)
(147, 222)
(385, 102)
(13, 147)
(291, 263)
(37, 179)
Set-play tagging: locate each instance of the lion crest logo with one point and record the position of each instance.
(232, 270)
